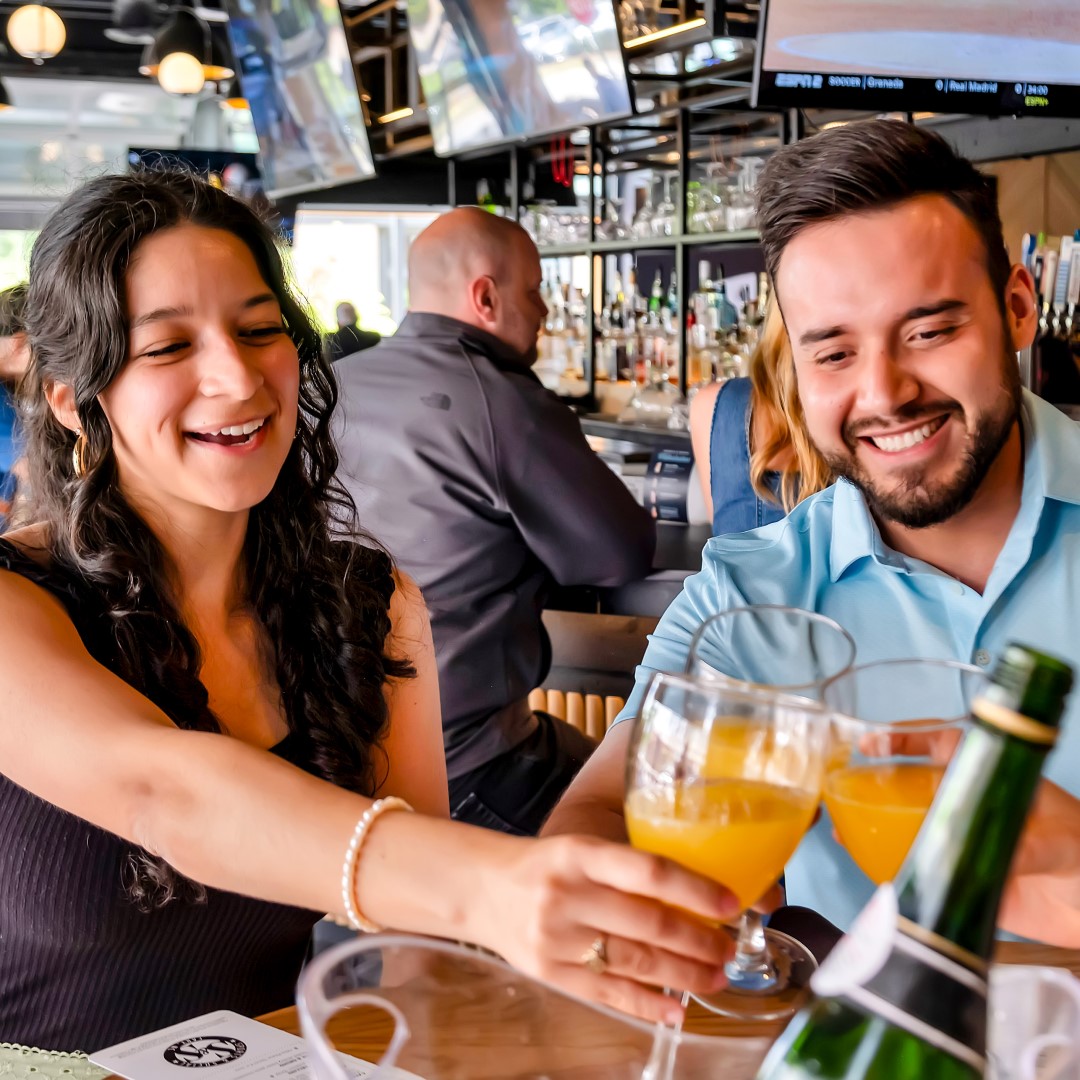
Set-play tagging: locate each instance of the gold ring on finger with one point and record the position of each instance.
(595, 956)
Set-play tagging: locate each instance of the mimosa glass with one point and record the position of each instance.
(725, 781)
(895, 725)
(793, 651)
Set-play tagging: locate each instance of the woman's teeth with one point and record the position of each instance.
(893, 444)
(240, 429)
(232, 434)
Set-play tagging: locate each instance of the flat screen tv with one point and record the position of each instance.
(994, 57)
(297, 75)
(498, 71)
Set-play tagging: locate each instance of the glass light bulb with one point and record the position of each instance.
(181, 73)
(36, 32)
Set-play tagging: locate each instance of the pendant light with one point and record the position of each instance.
(180, 73)
(183, 57)
(36, 32)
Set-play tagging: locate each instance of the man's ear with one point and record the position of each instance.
(484, 299)
(1021, 307)
(61, 399)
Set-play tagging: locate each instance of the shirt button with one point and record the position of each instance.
(982, 657)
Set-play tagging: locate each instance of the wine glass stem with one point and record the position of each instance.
(751, 949)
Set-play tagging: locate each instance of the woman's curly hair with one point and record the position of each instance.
(318, 587)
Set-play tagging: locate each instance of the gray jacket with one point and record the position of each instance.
(481, 485)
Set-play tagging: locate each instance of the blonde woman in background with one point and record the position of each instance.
(753, 455)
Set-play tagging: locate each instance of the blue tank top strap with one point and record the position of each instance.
(736, 506)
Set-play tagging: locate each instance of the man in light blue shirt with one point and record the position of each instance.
(956, 525)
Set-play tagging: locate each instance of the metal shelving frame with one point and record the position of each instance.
(681, 242)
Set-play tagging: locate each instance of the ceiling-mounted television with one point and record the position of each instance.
(297, 74)
(497, 71)
(995, 57)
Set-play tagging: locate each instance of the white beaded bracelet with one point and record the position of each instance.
(352, 859)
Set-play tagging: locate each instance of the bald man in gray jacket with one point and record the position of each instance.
(481, 485)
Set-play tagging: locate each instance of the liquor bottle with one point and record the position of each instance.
(631, 293)
(727, 315)
(904, 994)
(761, 305)
(673, 295)
(641, 301)
(704, 277)
(618, 303)
(484, 199)
(656, 299)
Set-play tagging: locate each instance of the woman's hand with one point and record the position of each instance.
(545, 907)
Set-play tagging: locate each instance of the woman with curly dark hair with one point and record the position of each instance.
(209, 674)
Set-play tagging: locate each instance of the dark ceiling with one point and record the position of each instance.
(92, 49)
(106, 39)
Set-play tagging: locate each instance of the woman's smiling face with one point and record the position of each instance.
(204, 411)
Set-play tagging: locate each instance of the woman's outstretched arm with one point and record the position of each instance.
(238, 818)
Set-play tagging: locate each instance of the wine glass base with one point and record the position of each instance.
(772, 994)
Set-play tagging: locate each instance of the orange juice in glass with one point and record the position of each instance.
(878, 810)
(894, 726)
(738, 832)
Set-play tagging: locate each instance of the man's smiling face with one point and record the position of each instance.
(906, 366)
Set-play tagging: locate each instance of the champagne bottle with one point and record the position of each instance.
(903, 995)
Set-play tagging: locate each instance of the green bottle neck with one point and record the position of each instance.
(952, 881)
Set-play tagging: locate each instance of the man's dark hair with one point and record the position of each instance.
(12, 307)
(873, 165)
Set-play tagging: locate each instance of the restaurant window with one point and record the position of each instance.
(358, 255)
(15, 245)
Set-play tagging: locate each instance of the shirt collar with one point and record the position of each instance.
(427, 324)
(855, 534)
(1051, 447)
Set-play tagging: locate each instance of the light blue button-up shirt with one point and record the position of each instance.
(828, 556)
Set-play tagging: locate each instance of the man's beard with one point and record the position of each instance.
(912, 502)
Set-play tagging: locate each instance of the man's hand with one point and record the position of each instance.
(913, 738)
(1042, 899)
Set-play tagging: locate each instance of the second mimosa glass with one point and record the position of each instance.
(895, 725)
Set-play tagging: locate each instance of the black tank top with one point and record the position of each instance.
(81, 967)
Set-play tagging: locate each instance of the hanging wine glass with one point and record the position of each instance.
(612, 228)
(642, 224)
(663, 222)
(716, 190)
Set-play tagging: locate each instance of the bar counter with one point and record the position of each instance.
(598, 635)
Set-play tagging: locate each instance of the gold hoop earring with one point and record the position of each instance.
(78, 455)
